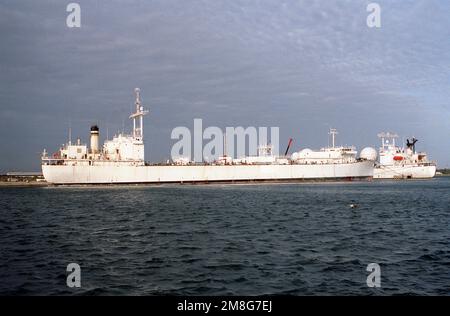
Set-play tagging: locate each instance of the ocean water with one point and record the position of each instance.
(294, 239)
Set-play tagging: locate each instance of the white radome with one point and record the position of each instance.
(305, 151)
(368, 153)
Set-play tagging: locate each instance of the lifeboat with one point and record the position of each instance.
(398, 158)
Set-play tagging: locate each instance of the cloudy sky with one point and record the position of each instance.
(301, 65)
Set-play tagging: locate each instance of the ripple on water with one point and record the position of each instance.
(227, 240)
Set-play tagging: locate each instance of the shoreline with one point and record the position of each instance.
(11, 184)
(24, 184)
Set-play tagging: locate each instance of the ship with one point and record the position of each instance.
(121, 161)
(397, 162)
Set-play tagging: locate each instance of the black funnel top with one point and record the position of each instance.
(94, 128)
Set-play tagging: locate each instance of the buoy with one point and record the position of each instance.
(353, 205)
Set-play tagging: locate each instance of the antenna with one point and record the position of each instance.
(70, 132)
(333, 134)
(391, 136)
(137, 91)
(138, 132)
(225, 144)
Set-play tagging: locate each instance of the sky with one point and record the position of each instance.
(304, 66)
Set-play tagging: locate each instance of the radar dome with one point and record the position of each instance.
(368, 153)
(304, 153)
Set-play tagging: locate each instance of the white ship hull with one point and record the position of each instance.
(404, 172)
(120, 174)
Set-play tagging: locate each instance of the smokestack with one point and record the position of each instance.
(94, 139)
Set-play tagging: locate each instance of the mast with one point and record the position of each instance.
(70, 134)
(138, 121)
(391, 136)
(225, 144)
(333, 132)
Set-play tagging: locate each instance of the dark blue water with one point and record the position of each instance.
(298, 239)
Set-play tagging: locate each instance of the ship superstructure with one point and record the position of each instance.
(397, 162)
(121, 161)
